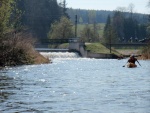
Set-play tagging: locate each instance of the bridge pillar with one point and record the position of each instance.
(75, 45)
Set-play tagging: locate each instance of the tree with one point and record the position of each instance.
(16, 16)
(5, 13)
(80, 20)
(131, 9)
(107, 30)
(91, 16)
(118, 25)
(130, 28)
(96, 34)
(38, 15)
(148, 24)
(61, 29)
(89, 35)
(110, 33)
(121, 9)
(63, 8)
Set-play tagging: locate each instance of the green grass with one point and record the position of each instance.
(99, 48)
(94, 48)
(64, 46)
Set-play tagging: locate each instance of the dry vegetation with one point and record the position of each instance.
(146, 52)
(19, 50)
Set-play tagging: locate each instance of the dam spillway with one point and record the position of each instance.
(52, 55)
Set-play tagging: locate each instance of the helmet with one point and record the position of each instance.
(132, 55)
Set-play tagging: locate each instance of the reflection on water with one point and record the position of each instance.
(6, 84)
(76, 86)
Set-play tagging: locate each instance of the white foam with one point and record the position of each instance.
(52, 55)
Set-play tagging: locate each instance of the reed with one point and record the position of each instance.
(146, 52)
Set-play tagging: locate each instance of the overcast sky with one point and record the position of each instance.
(140, 6)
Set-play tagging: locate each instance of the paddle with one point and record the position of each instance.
(127, 62)
(124, 65)
(138, 63)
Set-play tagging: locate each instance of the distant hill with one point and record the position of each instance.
(100, 16)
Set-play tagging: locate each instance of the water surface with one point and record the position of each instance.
(76, 85)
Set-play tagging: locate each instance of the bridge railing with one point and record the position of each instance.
(58, 41)
(54, 41)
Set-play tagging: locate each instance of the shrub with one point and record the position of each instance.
(16, 50)
(146, 51)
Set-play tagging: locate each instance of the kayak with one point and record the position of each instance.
(131, 65)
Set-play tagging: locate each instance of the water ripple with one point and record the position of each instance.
(76, 86)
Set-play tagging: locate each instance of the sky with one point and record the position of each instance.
(140, 6)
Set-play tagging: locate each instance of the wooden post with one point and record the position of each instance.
(75, 26)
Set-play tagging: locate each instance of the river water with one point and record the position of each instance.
(76, 85)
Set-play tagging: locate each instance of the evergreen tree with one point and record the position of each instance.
(63, 8)
(107, 30)
(129, 29)
(110, 33)
(118, 25)
(39, 14)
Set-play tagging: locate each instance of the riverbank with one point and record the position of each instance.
(19, 50)
(36, 59)
(98, 50)
(39, 59)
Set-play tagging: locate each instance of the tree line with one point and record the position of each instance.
(37, 15)
(38, 18)
(100, 16)
(124, 29)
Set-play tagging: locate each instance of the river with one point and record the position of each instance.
(76, 85)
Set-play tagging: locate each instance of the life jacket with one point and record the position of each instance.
(132, 60)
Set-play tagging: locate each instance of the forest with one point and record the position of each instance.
(123, 25)
(100, 16)
(36, 17)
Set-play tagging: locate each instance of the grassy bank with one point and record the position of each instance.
(94, 48)
(99, 48)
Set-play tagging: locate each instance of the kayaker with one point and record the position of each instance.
(131, 61)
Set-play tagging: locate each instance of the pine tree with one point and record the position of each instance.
(107, 30)
(63, 8)
(118, 25)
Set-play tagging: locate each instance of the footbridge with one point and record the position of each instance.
(51, 50)
(76, 46)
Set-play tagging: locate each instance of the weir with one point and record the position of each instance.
(52, 55)
(75, 50)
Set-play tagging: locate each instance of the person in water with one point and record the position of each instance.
(131, 61)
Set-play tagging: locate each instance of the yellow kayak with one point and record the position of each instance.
(131, 65)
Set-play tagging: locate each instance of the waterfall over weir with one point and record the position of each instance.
(60, 54)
